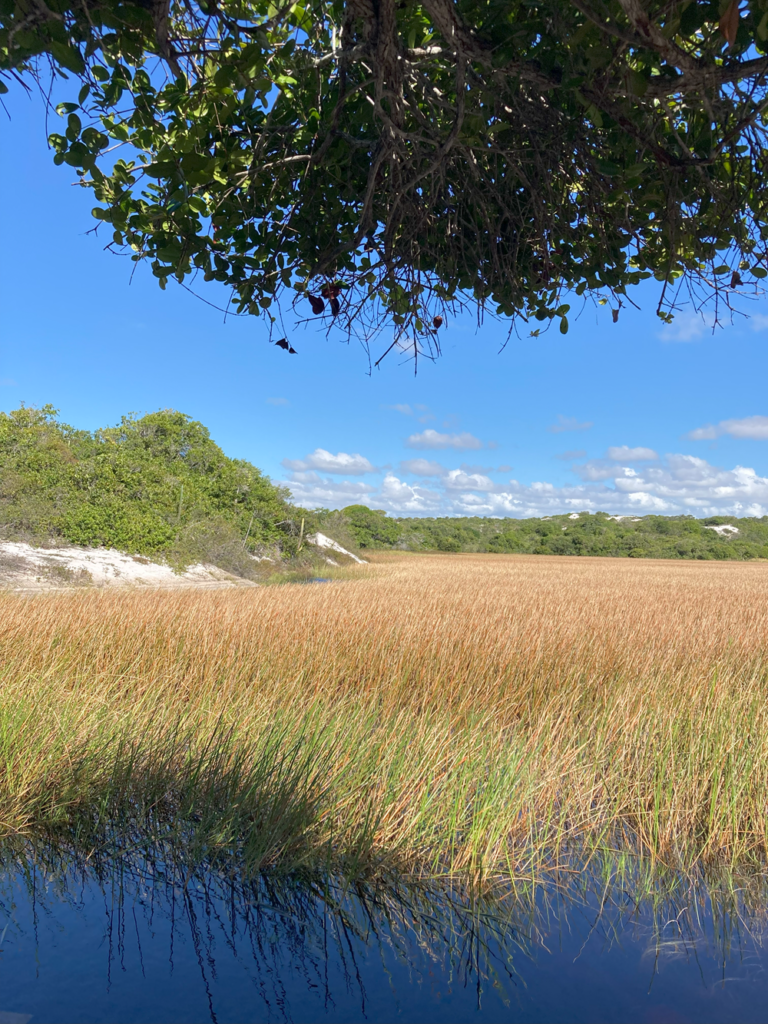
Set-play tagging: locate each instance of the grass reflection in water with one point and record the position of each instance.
(138, 934)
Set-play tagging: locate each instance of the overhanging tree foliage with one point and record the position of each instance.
(382, 160)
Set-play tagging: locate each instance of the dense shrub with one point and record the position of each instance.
(651, 536)
(370, 527)
(150, 485)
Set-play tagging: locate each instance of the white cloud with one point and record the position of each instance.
(758, 322)
(683, 484)
(422, 467)
(458, 480)
(597, 469)
(626, 454)
(675, 485)
(433, 440)
(606, 468)
(753, 427)
(324, 461)
(473, 475)
(686, 327)
(408, 410)
(278, 401)
(313, 491)
(398, 496)
(568, 423)
(708, 433)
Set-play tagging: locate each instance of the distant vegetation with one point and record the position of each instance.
(157, 485)
(721, 537)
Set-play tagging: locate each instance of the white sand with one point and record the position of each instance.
(724, 530)
(23, 567)
(321, 541)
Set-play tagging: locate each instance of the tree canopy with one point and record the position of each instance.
(371, 527)
(379, 162)
(651, 536)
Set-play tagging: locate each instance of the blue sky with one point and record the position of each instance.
(628, 418)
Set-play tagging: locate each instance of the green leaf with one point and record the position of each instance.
(638, 83)
(160, 170)
(563, 167)
(606, 167)
(68, 56)
(192, 163)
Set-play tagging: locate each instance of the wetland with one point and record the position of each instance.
(458, 787)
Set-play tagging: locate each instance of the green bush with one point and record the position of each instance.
(370, 527)
(504, 543)
(445, 542)
(111, 524)
(147, 486)
(651, 536)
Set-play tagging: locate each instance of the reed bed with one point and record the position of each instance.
(442, 714)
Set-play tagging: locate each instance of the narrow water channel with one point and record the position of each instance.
(133, 940)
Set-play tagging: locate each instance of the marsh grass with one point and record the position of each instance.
(475, 716)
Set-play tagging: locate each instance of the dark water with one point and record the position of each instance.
(137, 941)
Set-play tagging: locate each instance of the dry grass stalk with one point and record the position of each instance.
(460, 713)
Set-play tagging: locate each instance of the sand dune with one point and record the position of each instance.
(23, 567)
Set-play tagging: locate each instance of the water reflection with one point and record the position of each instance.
(140, 937)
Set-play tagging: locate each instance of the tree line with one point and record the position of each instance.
(584, 533)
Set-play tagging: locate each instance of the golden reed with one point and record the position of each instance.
(452, 712)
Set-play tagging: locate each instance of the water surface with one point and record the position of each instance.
(135, 940)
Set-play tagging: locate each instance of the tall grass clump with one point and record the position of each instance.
(444, 714)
